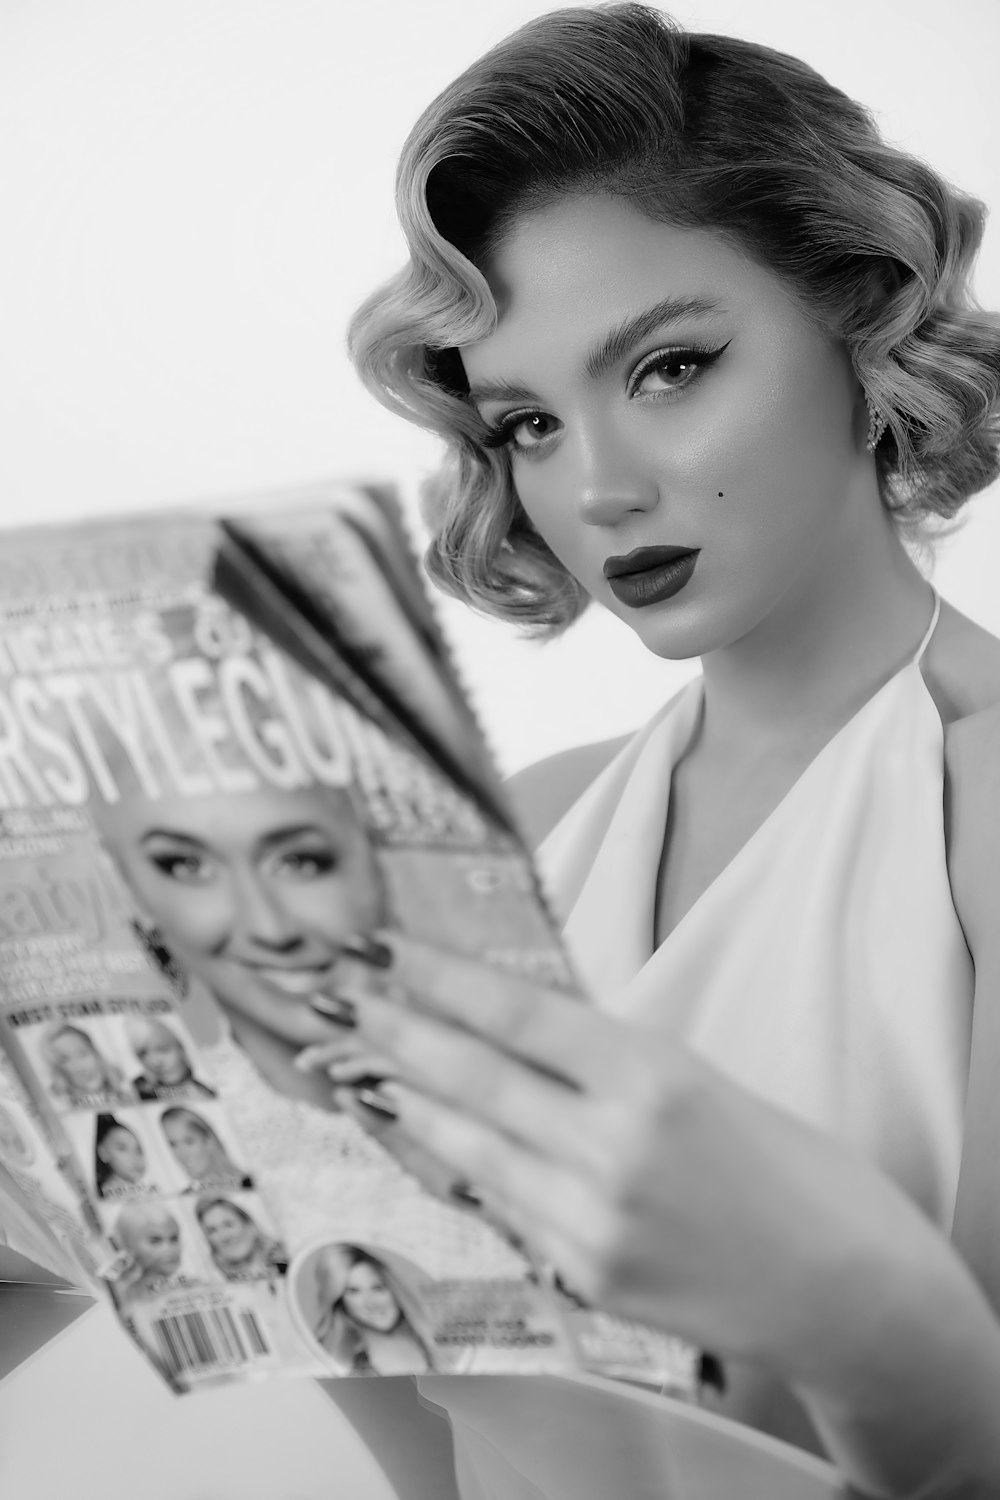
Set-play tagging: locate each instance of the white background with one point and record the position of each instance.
(195, 194)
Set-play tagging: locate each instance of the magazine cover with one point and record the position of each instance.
(227, 748)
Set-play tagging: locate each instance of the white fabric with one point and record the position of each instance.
(825, 969)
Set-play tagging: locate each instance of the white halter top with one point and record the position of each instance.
(825, 969)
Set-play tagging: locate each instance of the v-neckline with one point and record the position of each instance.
(607, 864)
(913, 662)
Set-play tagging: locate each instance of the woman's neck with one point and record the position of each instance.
(823, 649)
(395, 1353)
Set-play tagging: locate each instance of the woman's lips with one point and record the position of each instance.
(294, 982)
(650, 574)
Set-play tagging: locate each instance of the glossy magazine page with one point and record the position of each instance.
(227, 747)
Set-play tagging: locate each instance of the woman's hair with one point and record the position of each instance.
(62, 1085)
(177, 1112)
(336, 1329)
(698, 131)
(271, 1250)
(141, 1030)
(133, 1219)
(103, 1126)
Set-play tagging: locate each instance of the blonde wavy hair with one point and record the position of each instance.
(698, 131)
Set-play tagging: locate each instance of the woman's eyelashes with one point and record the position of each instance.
(524, 431)
(674, 369)
(658, 376)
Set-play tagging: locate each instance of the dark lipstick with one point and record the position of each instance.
(650, 574)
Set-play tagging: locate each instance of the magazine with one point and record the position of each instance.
(227, 747)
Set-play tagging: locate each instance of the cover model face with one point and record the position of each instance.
(253, 893)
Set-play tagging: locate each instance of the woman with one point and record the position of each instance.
(253, 894)
(240, 1249)
(151, 1236)
(199, 1152)
(119, 1159)
(81, 1076)
(363, 1326)
(166, 1067)
(704, 350)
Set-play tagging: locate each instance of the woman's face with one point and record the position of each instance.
(121, 1151)
(720, 423)
(162, 1056)
(156, 1246)
(229, 1234)
(190, 1145)
(368, 1301)
(253, 893)
(79, 1061)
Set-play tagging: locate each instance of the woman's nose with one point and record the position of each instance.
(612, 482)
(263, 916)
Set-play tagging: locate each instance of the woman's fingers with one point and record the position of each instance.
(345, 1061)
(433, 1174)
(552, 1208)
(472, 1076)
(556, 1032)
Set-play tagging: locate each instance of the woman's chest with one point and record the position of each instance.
(714, 812)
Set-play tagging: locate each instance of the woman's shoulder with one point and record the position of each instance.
(541, 793)
(964, 678)
(962, 671)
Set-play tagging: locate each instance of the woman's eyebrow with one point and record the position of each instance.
(622, 339)
(173, 835)
(615, 345)
(291, 831)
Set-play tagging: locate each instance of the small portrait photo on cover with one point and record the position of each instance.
(361, 1308)
(239, 1242)
(164, 1055)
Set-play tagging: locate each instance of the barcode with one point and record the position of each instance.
(218, 1339)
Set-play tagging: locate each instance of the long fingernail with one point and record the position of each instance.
(464, 1192)
(369, 951)
(712, 1372)
(335, 1008)
(375, 1099)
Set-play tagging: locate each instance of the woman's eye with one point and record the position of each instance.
(523, 431)
(671, 370)
(182, 867)
(305, 864)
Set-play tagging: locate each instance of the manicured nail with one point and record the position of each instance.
(464, 1192)
(368, 950)
(335, 1008)
(375, 1099)
(711, 1371)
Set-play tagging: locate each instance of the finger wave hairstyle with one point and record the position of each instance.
(696, 131)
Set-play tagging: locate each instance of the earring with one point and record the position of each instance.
(876, 424)
(152, 944)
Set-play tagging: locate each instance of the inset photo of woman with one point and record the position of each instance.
(164, 1054)
(203, 1155)
(119, 1153)
(79, 1063)
(162, 1254)
(360, 1308)
(241, 1246)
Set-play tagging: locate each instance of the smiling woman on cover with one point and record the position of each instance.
(704, 350)
(364, 1324)
(254, 894)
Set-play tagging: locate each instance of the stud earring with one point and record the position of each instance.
(876, 424)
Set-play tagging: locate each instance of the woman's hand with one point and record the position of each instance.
(663, 1191)
(659, 1189)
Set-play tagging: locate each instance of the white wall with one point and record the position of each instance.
(194, 194)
